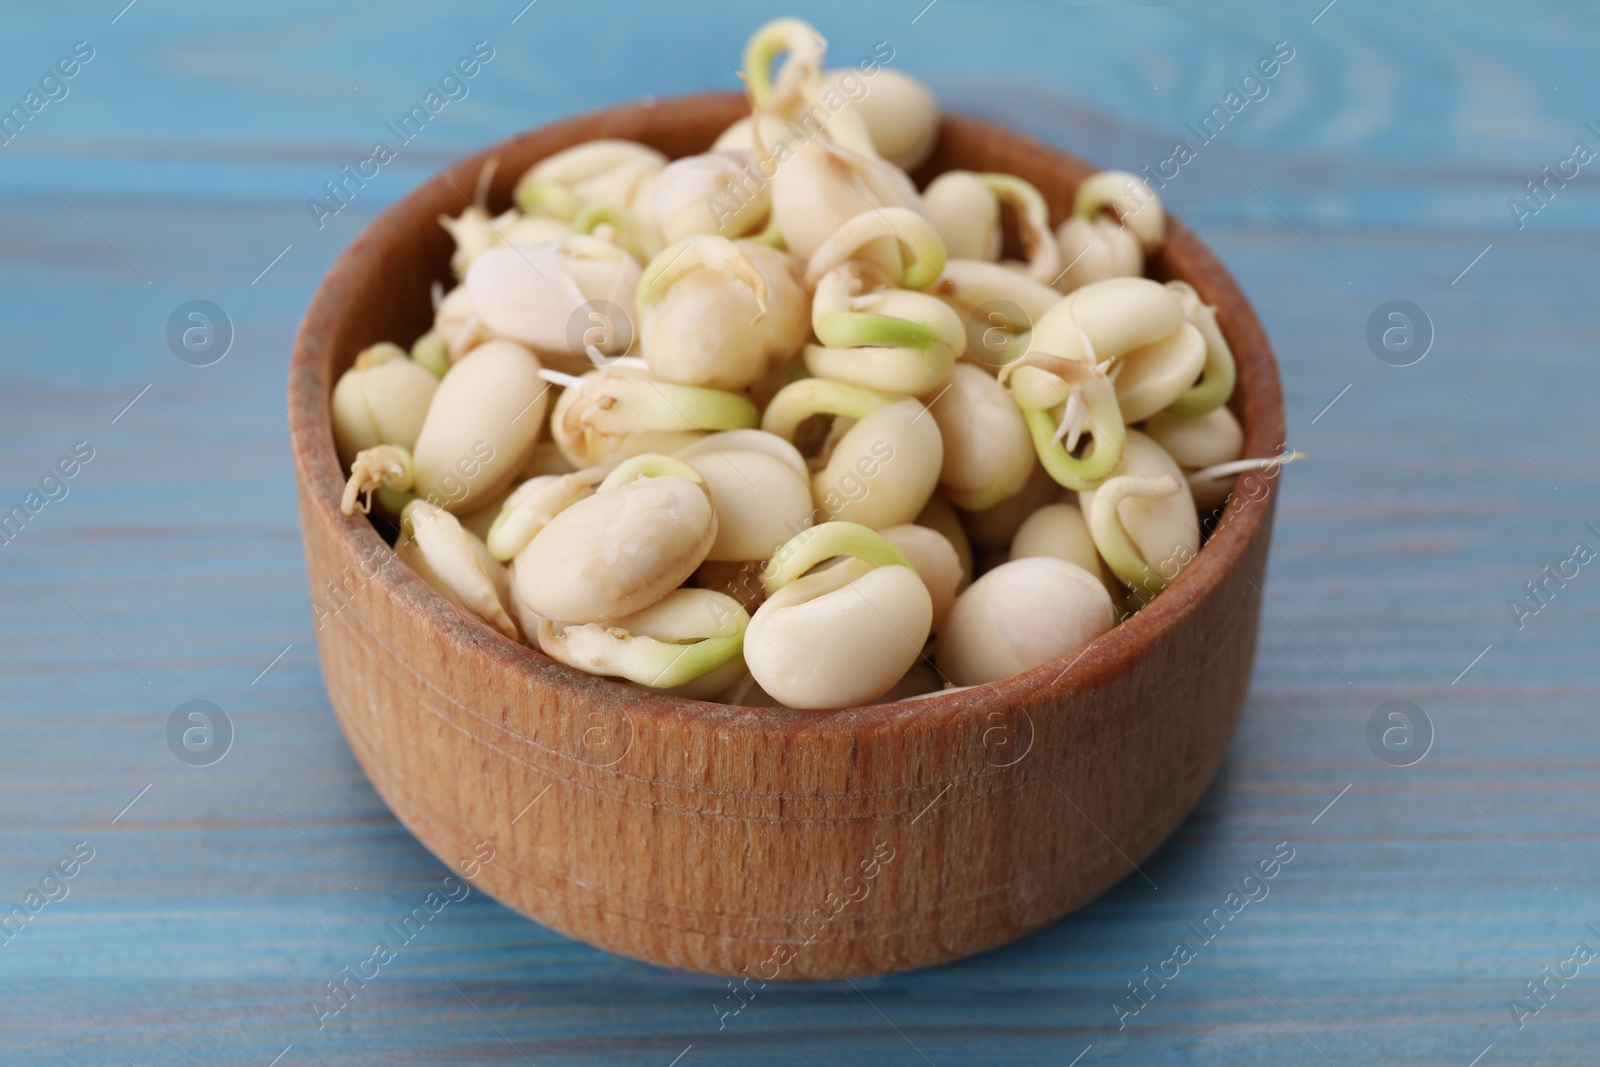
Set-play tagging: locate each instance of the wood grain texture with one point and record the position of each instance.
(764, 843)
(209, 920)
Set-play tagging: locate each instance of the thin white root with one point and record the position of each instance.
(555, 377)
(1239, 466)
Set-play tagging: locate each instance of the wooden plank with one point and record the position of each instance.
(1416, 906)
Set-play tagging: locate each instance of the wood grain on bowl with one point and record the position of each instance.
(756, 841)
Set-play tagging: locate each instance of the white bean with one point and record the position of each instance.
(988, 454)
(1143, 518)
(845, 634)
(934, 559)
(452, 560)
(534, 295)
(718, 314)
(617, 552)
(603, 171)
(481, 427)
(1021, 615)
(900, 113)
(718, 193)
(381, 400)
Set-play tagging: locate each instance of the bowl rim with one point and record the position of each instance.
(1095, 665)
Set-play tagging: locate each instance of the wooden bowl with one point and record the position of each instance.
(764, 842)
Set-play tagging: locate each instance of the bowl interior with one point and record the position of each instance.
(379, 290)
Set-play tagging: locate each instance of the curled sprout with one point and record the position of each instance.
(803, 45)
(799, 90)
(844, 634)
(1060, 398)
(604, 171)
(922, 254)
(798, 401)
(1039, 247)
(896, 340)
(821, 543)
(638, 237)
(1130, 199)
(649, 465)
(548, 198)
(683, 637)
(382, 467)
(693, 253)
(1219, 374)
(532, 506)
(1116, 547)
(619, 411)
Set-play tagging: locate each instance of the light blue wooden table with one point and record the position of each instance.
(219, 899)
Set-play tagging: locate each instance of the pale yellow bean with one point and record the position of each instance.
(884, 469)
(818, 187)
(1093, 250)
(1060, 531)
(1019, 616)
(992, 529)
(966, 214)
(718, 193)
(934, 559)
(603, 171)
(722, 315)
(940, 516)
(617, 552)
(381, 400)
(760, 502)
(1207, 440)
(1154, 375)
(988, 454)
(456, 563)
(481, 426)
(1106, 320)
(542, 295)
(840, 637)
(900, 112)
(1146, 528)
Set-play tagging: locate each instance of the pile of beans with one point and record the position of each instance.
(769, 426)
